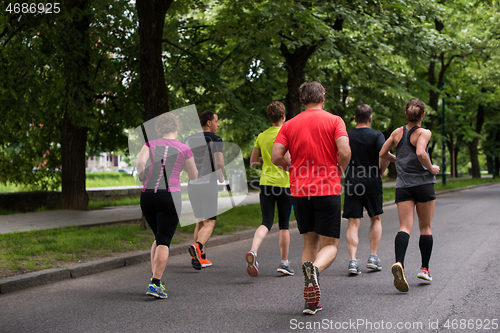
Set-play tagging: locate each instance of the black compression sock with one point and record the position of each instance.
(425, 245)
(200, 245)
(400, 246)
(156, 282)
(203, 256)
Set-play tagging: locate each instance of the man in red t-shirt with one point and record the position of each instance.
(320, 152)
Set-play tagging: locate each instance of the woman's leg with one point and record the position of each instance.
(284, 203)
(258, 237)
(267, 205)
(425, 212)
(284, 243)
(160, 261)
(406, 213)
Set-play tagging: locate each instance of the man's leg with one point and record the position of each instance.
(375, 233)
(328, 252)
(205, 232)
(199, 225)
(351, 237)
(311, 246)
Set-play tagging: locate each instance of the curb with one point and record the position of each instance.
(52, 275)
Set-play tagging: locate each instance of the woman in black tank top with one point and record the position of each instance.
(414, 189)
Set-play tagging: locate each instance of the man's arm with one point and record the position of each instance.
(219, 165)
(344, 152)
(277, 156)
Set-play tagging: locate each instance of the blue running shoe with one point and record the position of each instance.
(156, 291)
(161, 284)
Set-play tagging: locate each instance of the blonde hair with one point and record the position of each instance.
(167, 123)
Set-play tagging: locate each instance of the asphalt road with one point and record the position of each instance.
(223, 298)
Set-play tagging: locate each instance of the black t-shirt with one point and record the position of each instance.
(363, 168)
(203, 149)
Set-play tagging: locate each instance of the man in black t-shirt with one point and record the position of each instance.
(203, 193)
(363, 187)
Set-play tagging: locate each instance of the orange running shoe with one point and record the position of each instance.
(205, 263)
(195, 252)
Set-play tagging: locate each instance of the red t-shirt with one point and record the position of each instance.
(310, 137)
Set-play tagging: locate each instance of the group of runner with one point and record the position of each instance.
(302, 162)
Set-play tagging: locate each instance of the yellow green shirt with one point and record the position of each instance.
(271, 175)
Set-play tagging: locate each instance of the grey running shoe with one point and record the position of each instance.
(353, 267)
(399, 277)
(424, 274)
(156, 291)
(285, 269)
(374, 263)
(312, 294)
(310, 310)
(252, 264)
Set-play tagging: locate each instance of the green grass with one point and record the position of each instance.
(107, 179)
(22, 252)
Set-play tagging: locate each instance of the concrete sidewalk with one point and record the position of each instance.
(69, 218)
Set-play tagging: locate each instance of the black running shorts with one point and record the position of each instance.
(318, 214)
(162, 210)
(421, 193)
(270, 196)
(353, 205)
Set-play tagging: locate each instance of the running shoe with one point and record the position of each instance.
(374, 263)
(252, 264)
(399, 277)
(156, 291)
(285, 269)
(424, 274)
(353, 267)
(195, 252)
(310, 310)
(162, 286)
(312, 294)
(205, 263)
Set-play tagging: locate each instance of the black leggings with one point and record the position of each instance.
(269, 196)
(162, 210)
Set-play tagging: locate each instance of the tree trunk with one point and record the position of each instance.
(79, 103)
(73, 148)
(473, 145)
(154, 92)
(474, 158)
(295, 65)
